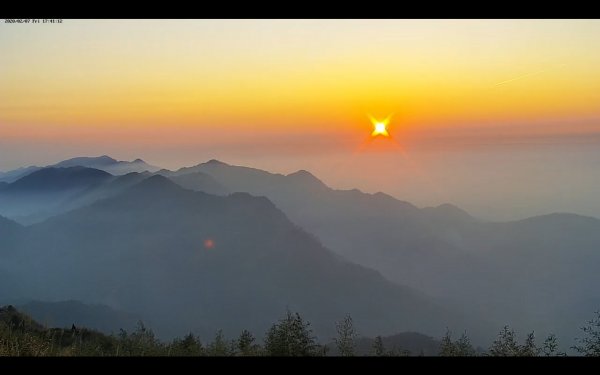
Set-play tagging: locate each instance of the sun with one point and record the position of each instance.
(380, 127)
(380, 130)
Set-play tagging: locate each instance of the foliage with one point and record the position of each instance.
(460, 348)
(141, 342)
(378, 348)
(189, 346)
(246, 345)
(550, 347)
(346, 337)
(220, 347)
(589, 345)
(506, 345)
(291, 337)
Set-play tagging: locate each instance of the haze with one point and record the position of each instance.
(499, 117)
(223, 178)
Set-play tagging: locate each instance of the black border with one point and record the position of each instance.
(368, 365)
(285, 10)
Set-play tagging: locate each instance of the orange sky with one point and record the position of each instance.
(291, 94)
(179, 77)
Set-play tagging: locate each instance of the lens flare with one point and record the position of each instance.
(380, 127)
(209, 243)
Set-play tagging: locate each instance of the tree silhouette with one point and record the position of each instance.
(219, 347)
(506, 345)
(189, 346)
(346, 337)
(291, 337)
(246, 346)
(461, 348)
(550, 347)
(378, 348)
(589, 345)
(447, 348)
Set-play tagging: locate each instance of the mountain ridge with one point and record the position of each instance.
(149, 239)
(104, 162)
(537, 270)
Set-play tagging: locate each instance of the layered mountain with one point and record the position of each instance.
(536, 273)
(532, 274)
(104, 163)
(53, 190)
(108, 164)
(10, 232)
(8, 227)
(45, 192)
(197, 181)
(15, 174)
(191, 261)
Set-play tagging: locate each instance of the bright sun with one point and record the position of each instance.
(380, 127)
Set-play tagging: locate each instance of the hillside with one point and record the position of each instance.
(534, 273)
(144, 251)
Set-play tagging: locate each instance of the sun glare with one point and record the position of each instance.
(380, 127)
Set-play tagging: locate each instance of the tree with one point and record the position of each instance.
(139, 343)
(346, 337)
(529, 349)
(447, 348)
(460, 348)
(589, 346)
(219, 347)
(506, 344)
(245, 344)
(550, 347)
(464, 347)
(378, 348)
(189, 346)
(291, 337)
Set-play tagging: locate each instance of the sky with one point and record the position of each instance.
(484, 112)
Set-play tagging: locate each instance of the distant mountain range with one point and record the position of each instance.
(147, 232)
(104, 163)
(144, 250)
(50, 191)
(536, 273)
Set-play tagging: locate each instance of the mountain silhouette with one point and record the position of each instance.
(448, 213)
(8, 231)
(196, 181)
(85, 161)
(520, 272)
(105, 163)
(537, 273)
(45, 192)
(108, 164)
(144, 250)
(15, 174)
(48, 179)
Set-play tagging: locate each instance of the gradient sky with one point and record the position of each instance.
(291, 94)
